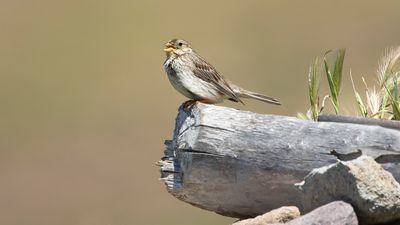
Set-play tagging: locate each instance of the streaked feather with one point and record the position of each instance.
(205, 71)
(195, 78)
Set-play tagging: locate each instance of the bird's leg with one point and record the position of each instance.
(188, 104)
(207, 101)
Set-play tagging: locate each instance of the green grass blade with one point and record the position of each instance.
(396, 110)
(396, 101)
(384, 104)
(335, 76)
(361, 106)
(337, 72)
(362, 109)
(313, 88)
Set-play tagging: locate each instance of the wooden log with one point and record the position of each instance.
(242, 164)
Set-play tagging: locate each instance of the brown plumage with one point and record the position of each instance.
(198, 80)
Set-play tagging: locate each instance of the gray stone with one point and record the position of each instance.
(280, 215)
(335, 213)
(372, 191)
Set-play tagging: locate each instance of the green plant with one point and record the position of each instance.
(334, 79)
(395, 100)
(362, 109)
(313, 89)
(382, 101)
(335, 76)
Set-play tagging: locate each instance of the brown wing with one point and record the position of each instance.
(207, 72)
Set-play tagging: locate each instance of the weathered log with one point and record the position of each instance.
(243, 164)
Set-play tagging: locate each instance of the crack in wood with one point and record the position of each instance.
(391, 124)
(199, 152)
(395, 158)
(347, 156)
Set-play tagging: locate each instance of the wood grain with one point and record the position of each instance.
(243, 164)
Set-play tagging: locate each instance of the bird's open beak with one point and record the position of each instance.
(169, 47)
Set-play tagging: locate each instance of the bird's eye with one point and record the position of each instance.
(180, 43)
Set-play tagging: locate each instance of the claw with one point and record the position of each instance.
(189, 104)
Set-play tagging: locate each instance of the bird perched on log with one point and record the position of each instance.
(198, 80)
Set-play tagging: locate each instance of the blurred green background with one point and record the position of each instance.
(85, 104)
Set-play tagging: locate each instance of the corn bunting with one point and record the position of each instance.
(198, 80)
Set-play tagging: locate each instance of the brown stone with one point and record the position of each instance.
(280, 215)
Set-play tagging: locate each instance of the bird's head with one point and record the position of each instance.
(177, 46)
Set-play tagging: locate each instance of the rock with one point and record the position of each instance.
(372, 191)
(335, 213)
(280, 215)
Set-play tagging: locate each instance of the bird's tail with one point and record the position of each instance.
(257, 96)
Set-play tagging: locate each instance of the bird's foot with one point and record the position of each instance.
(189, 104)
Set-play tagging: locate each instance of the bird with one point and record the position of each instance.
(191, 75)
